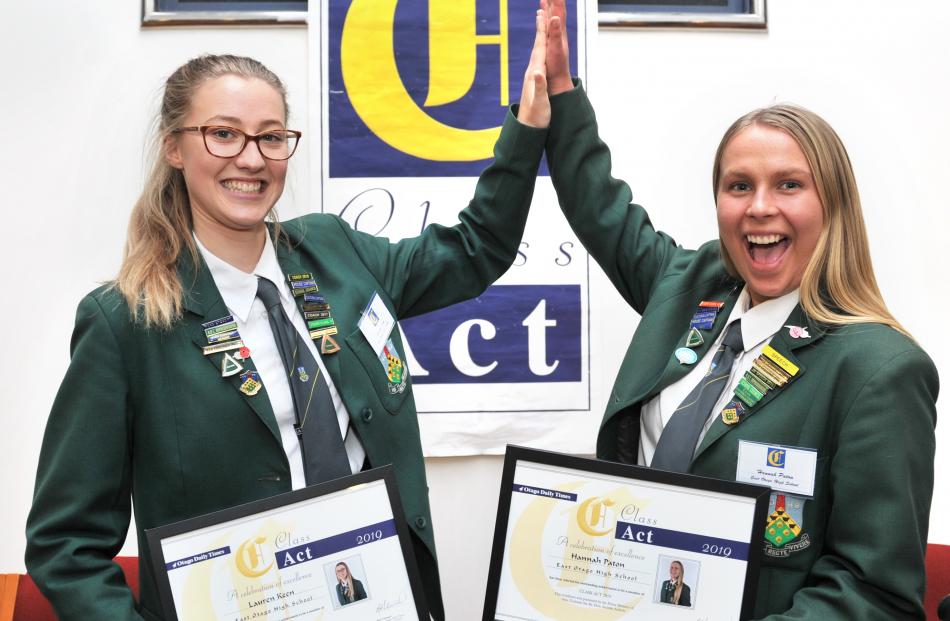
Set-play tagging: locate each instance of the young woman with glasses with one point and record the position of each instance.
(178, 400)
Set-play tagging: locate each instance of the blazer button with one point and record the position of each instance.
(421, 522)
(367, 415)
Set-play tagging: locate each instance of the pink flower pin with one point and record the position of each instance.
(798, 332)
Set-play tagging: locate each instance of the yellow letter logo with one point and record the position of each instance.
(379, 96)
(250, 558)
(592, 516)
(776, 457)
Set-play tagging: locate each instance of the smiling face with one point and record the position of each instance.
(768, 208)
(341, 573)
(676, 571)
(230, 195)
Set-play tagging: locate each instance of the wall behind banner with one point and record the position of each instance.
(80, 86)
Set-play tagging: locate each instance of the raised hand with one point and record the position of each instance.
(535, 108)
(558, 56)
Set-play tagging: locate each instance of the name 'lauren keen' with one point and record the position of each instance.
(269, 600)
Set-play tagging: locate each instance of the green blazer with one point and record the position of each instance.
(864, 398)
(143, 416)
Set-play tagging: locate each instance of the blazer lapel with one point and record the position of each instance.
(203, 303)
(785, 345)
(675, 370)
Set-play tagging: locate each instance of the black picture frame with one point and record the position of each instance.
(155, 536)
(722, 14)
(223, 12)
(515, 454)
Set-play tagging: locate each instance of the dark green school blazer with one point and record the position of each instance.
(864, 397)
(143, 416)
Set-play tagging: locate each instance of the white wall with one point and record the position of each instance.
(80, 86)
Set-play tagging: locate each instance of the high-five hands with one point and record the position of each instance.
(549, 69)
(535, 108)
(557, 59)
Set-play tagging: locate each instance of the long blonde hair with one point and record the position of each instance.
(350, 593)
(160, 225)
(838, 286)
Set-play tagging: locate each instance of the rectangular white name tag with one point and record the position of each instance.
(377, 323)
(783, 468)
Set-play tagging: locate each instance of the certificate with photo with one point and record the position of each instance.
(337, 550)
(585, 539)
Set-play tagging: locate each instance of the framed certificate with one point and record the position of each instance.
(337, 550)
(584, 539)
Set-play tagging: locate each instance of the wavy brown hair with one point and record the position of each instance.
(838, 286)
(160, 227)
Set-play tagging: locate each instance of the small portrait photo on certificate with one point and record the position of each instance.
(676, 581)
(347, 580)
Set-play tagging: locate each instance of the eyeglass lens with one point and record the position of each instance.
(228, 142)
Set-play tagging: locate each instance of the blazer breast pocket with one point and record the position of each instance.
(390, 382)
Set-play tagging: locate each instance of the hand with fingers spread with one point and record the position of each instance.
(558, 56)
(535, 109)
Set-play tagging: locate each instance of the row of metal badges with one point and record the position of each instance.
(223, 337)
(770, 371)
(316, 311)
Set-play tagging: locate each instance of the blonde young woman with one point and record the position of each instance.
(779, 328)
(348, 588)
(675, 591)
(178, 400)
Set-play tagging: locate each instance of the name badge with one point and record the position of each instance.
(377, 323)
(783, 468)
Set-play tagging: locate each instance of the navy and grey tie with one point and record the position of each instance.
(677, 443)
(317, 427)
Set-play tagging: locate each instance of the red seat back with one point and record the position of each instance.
(938, 578)
(32, 606)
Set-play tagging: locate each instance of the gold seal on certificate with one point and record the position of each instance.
(584, 539)
(338, 550)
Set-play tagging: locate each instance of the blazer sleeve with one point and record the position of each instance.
(448, 264)
(616, 232)
(82, 500)
(882, 472)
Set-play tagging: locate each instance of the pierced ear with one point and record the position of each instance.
(172, 152)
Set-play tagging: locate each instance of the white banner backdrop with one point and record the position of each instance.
(514, 365)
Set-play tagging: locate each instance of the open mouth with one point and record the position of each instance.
(767, 249)
(244, 187)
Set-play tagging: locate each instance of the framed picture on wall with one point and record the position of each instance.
(682, 13)
(223, 12)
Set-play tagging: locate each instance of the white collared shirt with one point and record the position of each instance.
(759, 324)
(239, 291)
